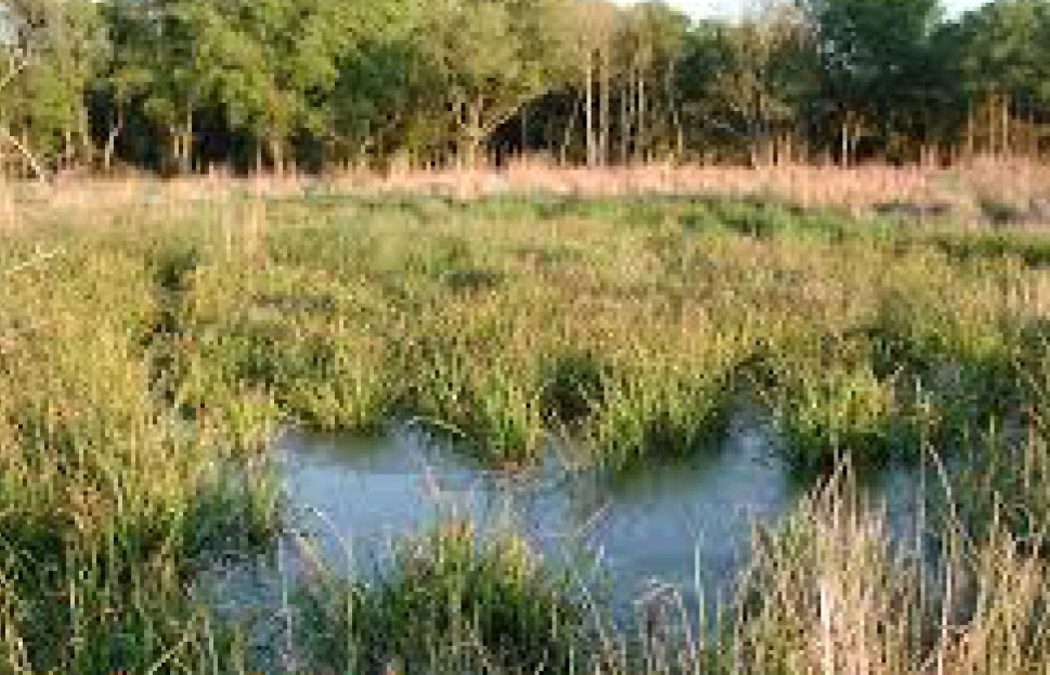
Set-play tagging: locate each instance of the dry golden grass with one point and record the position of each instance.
(109, 304)
(1015, 190)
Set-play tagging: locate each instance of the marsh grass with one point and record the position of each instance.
(106, 494)
(449, 602)
(147, 358)
(830, 589)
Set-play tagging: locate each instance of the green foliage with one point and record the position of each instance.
(52, 49)
(108, 497)
(178, 85)
(147, 364)
(450, 602)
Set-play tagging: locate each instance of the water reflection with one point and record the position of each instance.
(686, 523)
(670, 520)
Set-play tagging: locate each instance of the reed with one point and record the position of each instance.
(450, 602)
(149, 350)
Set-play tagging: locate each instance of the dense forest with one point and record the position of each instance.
(181, 86)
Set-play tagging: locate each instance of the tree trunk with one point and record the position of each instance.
(471, 153)
(567, 138)
(475, 133)
(87, 147)
(68, 152)
(844, 158)
(592, 149)
(676, 120)
(603, 113)
(626, 115)
(186, 159)
(1033, 137)
(524, 130)
(757, 132)
(641, 143)
(111, 140)
(29, 160)
(1005, 121)
(993, 147)
(277, 155)
(970, 141)
(176, 149)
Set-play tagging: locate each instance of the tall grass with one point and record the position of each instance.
(997, 190)
(107, 496)
(147, 358)
(830, 590)
(450, 602)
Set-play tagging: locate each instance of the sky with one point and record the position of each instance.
(730, 8)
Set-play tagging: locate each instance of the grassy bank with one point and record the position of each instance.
(828, 590)
(148, 354)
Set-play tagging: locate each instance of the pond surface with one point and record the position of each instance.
(678, 522)
(685, 522)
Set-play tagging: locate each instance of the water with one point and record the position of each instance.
(681, 524)
(678, 522)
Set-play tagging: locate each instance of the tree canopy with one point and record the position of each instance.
(183, 85)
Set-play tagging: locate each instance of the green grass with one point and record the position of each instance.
(452, 601)
(147, 359)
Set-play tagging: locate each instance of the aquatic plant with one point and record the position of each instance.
(451, 601)
(830, 591)
(149, 353)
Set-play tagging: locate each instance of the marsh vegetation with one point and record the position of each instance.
(150, 356)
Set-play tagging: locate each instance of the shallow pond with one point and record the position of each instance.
(685, 522)
(670, 521)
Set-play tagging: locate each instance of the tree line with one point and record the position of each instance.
(180, 86)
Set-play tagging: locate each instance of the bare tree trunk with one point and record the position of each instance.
(475, 133)
(87, 148)
(1005, 121)
(524, 130)
(626, 115)
(676, 120)
(592, 149)
(471, 154)
(567, 138)
(757, 133)
(28, 158)
(844, 159)
(603, 113)
(993, 146)
(65, 161)
(110, 147)
(970, 141)
(176, 148)
(641, 144)
(1033, 137)
(277, 155)
(186, 160)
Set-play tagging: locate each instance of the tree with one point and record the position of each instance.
(869, 52)
(123, 76)
(299, 43)
(494, 56)
(1004, 52)
(651, 38)
(179, 84)
(388, 98)
(51, 47)
(764, 81)
(587, 31)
